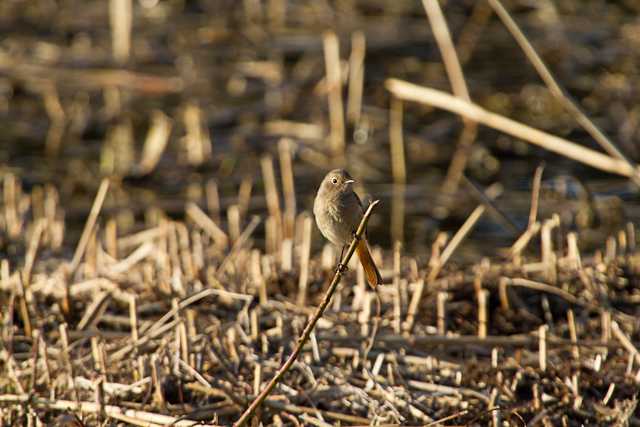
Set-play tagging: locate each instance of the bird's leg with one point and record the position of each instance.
(341, 267)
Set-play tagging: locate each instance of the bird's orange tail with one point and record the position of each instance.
(370, 269)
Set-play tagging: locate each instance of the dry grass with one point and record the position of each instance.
(219, 310)
(177, 325)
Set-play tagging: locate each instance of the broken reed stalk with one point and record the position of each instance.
(207, 224)
(248, 413)
(288, 187)
(90, 224)
(213, 200)
(567, 102)
(411, 92)
(439, 263)
(155, 142)
(305, 253)
(271, 196)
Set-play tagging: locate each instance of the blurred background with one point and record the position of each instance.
(189, 101)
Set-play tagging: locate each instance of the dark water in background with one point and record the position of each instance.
(593, 48)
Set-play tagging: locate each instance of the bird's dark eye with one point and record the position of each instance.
(334, 180)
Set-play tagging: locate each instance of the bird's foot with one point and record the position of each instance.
(342, 268)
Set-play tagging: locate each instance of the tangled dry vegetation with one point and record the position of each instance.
(181, 318)
(182, 321)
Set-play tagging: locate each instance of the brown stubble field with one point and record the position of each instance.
(159, 259)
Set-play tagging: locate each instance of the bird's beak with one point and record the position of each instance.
(349, 181)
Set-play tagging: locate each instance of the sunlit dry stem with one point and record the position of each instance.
(445, 101)
(396, 142)
(535, 195)
(120, 17)
(88, 227)
(356, 76)
(250, 411)
(334, 86)
(573, 335)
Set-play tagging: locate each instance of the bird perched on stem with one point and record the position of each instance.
(338, 211)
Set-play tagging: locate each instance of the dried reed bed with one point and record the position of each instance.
(198, 320)
(177, 323)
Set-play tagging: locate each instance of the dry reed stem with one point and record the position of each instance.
(296, 130)
(542, 347)
(573, 334)
(213, 200)
(197, 141)
(398, 213)
(356, 76)
(273, 200)
(121, 16)
(32, 251)
(89, 225)
(207, 224)
(396, 142)
(155, 142)
(288, 186)
(95, 78)
(233, 222)
(439, 99)
(455, 241)
(482, 296)
(447, 49)
(625, 341)
(143, 417)
(459, 87)
(238, 244)
(250, 411)
(334, 86)
(535, 195)
(569, 104)
(305, 253)
(440, 261)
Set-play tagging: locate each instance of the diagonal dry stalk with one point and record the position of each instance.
(250, 411)
(459, 87)
(412, 92)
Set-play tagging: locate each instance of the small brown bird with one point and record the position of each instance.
(338, 212)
